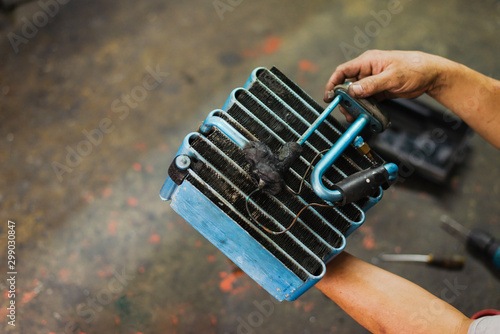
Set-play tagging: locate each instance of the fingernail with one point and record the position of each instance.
(357, 89)
(331, 94)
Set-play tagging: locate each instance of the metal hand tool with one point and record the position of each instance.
(478, 242)
(454, 261)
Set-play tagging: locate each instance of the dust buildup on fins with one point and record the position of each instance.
(266, 167)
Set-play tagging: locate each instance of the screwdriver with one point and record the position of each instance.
(478, 242)
(446, 261)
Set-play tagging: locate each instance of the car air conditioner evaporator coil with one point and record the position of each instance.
(277, 183)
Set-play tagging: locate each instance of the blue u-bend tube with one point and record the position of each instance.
(332, 155)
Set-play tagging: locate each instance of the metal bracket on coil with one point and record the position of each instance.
(378, 120)
(178, 169)
(363, 183)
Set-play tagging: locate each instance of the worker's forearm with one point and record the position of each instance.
(385, 303)
(474, 97)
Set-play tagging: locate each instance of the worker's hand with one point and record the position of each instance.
(387, 74)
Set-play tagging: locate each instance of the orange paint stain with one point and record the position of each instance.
(197, 244)
(271, 45)
(142, 270)
(210, 258)
(213, 319)
(238, 272)
(64, 273)
(112, 227)
(27, 297)
(44, 322)
(297, 303)
(240, 289)
(368, 239)
(366, 229)
(104, 273)
(117, 320)
(131, 201)
(175, 320)
(141, 146)
(154, 239)
(228, 279)
(3, 314)
(308, 66)
(308, 307)
(137, 166)
(106, 192)
(105, 178)
(226, 285)
(248, 53)
(369, 242)
(88, 196)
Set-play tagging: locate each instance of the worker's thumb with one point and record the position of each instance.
(369, 86)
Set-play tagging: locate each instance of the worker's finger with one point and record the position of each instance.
(370, 63)
(371, 85)
(351, 69)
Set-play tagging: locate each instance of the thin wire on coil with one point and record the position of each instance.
(268, 230)
(307, 171)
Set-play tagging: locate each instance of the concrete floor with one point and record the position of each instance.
(98, 252)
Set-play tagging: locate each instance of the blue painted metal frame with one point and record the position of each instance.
(239, 246)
